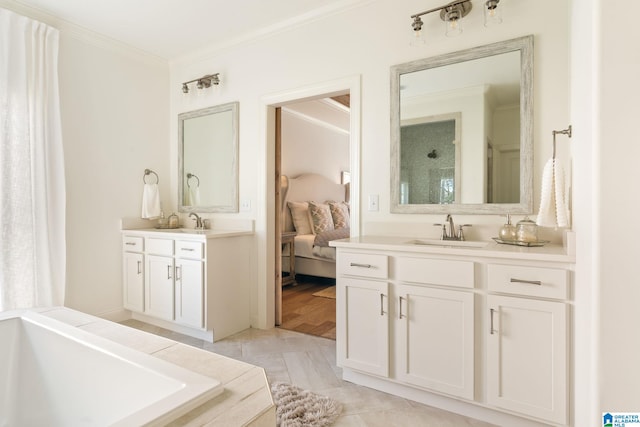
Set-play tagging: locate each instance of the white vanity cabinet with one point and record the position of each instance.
(194, 284)
(482, 331)
(527, 365)
(133, 273)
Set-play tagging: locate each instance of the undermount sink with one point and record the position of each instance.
(447, 243)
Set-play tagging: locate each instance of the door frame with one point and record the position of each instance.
(266, 216)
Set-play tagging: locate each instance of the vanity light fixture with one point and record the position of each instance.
(452, 14)
(203, 82)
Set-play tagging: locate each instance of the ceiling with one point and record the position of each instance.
(173, 28)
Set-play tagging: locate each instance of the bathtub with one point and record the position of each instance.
(54, 374)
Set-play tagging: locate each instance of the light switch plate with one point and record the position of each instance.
(245, 205)
(373, 202)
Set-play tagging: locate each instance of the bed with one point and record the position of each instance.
(317, 209)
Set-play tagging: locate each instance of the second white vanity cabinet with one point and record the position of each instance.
(192, 283)
(481, 330)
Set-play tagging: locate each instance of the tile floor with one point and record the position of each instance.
(309, 362)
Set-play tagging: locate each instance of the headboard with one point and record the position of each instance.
(309, 187)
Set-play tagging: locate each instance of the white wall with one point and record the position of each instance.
(114, 125)
(312, 148)
(114, 108)
(613, 158)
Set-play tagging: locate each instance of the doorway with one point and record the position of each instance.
(312, 140)
(267, 228)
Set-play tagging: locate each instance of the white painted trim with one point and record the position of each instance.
(264, 309)
(315, 121)
(335, 105)
(83, 34)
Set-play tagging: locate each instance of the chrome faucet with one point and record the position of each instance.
(451, 234)
(198, 220)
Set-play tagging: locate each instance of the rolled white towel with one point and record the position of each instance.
(553, 208)
(150, 201)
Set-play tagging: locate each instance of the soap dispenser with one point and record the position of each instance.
(508, 231)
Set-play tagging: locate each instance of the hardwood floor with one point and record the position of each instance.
(304, 312)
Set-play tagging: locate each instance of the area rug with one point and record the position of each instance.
(296, 407)
(329, 292)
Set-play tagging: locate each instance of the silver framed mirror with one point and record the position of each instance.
(208, 159)
(462, 131)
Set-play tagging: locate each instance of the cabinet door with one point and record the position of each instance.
(159, 287)
(435, 339)
(362, 325)
(190, 292)
(527, 357)
(133, 270)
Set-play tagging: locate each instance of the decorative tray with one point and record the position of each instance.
(166, 227)
(521, 243)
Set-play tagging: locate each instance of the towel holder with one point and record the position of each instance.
(189, 176)
(566, 131)
(149, 172)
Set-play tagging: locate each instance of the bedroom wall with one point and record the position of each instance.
(312, 147)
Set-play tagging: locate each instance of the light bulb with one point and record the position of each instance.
(453, 23)
(492, 13)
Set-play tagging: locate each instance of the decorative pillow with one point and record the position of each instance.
(320, 217)
(301, 217)
(340, 214)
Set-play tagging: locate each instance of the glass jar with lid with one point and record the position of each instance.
(526, 231)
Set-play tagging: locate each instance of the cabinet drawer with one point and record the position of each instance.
(189, 249)
(159, 246)
(364, 265)
(529, 281)
(435, 271)
(132, 244)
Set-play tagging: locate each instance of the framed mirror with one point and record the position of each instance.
(208, 159)
(462, 131)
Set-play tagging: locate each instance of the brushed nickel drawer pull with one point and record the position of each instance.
(381, 304)
(401, 315)
(187, 249)
(491, 329)
(168, 272)
(178, 270)
(139, 267)
(355, 264)
(529, 282)
(130, 244)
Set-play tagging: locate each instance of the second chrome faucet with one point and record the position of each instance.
(452, 234)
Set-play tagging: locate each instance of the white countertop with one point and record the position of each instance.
(189, 233)
(549, 252)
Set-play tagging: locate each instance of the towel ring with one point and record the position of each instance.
(566, 131)
(189, 176)
(149, 172)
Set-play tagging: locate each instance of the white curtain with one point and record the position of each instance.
(32, 192)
